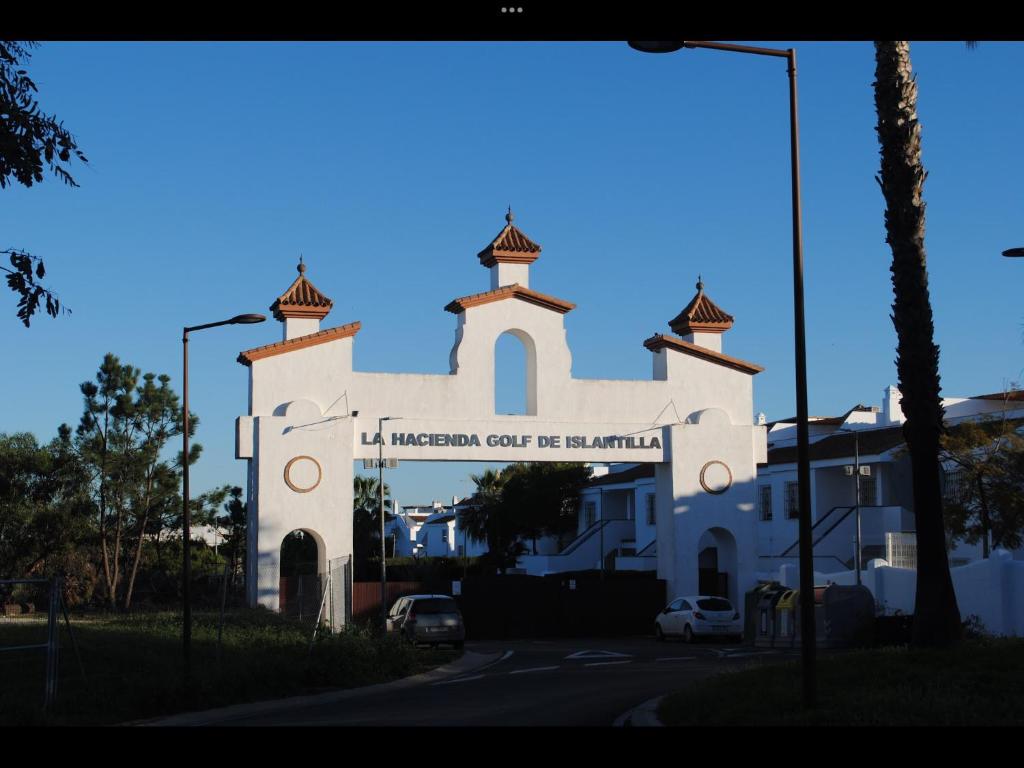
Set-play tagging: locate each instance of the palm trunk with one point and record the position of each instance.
(936, 616)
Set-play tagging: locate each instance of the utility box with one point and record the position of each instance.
(759, 613)
(846, 617)
(843, 616)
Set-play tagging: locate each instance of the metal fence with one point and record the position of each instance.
(901, 550)
(16, 612)
(319, 599)
(323, 600)
(338, 608)
(366, 596)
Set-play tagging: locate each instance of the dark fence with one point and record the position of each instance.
(301, 596)
(366, 596)
(560, 605)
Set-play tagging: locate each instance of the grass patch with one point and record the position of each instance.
(133, 665)
(980, 682)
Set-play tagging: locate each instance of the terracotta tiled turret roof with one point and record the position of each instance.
(701, 315)
(249, 356)
(514, 291)
(302, 299)
(659, 341)
(510, 247)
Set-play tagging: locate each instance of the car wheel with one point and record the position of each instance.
(658, 634)
(687, 634)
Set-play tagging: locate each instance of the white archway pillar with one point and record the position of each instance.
(320, 451)
(686, 508)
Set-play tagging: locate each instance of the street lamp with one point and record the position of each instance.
(1012, 252)
(383, 546)
(807, 639)
(186, 604)
(600, 506)
(856, 473)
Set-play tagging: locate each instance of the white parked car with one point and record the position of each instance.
(700, 616)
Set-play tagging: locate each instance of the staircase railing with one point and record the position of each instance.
(587, 534)
(817, 538)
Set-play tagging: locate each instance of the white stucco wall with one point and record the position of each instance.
(276, 509)
(992, 589)
(693, 510)
(645, 532)
(302, 400)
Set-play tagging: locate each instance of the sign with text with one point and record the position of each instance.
(508, 440)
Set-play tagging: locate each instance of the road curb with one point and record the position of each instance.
(645, 715)
(468, 662)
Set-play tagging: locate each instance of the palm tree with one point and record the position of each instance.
(936, 616)
(366, 516)
(474, 519)
(488, 485)
(366, 494)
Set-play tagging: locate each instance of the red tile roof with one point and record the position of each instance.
(826, 420)
(701, 315)
(302, 299)
(1013, 395)
(869, 442)
(514, 291)
(639, 472)
(299, 342)
(659, 341)
(510, 246)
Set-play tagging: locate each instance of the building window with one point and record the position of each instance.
(955, 486)
(589, 512)
(462, 551)
(867, 491)
(792, 501)
(649, 506)
(764, 501)
(444, 534)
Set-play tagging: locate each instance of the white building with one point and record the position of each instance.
(310, 415)
(875, 436)
(404, 528)
(617, 513)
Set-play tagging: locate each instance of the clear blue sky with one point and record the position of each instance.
(213, 165)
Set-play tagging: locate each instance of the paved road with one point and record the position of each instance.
(558, 682)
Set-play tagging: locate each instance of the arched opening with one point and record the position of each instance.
(717, 566)
(302, 566)
(515, 374)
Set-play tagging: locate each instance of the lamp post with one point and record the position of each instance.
(186, 516)
(1013, 252)
(807, 639)
(600, 507)
(383, 547)
(856, 473)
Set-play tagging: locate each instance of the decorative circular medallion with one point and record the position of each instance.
(715, 477)
(302, 474)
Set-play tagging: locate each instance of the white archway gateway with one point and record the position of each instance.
(692, 420)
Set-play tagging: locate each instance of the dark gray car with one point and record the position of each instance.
(429, 619)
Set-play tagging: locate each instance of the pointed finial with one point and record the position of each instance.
(700, 284)
(509, 216)
(301, 267)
